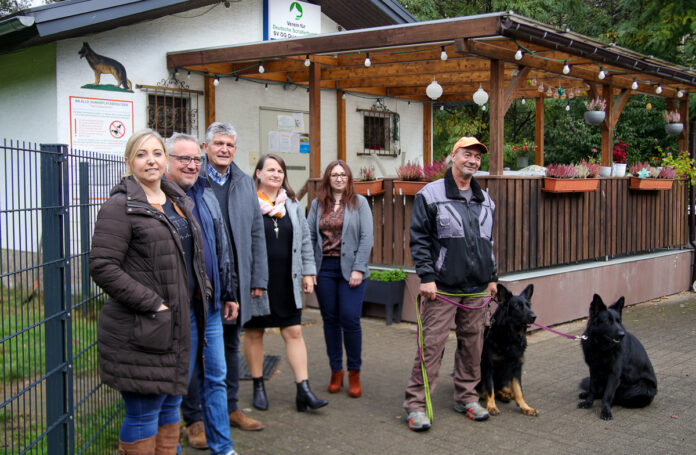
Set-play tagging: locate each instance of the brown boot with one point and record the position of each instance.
(242, 421)
(354, 387)
(167, 439)
(336, 381)
(140, 447)
(195, 434)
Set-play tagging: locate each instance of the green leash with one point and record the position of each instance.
(442, 296)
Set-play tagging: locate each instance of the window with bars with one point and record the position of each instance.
(172, 107)
(380, 131)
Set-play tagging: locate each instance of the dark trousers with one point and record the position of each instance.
(341, 307)
(191, 405)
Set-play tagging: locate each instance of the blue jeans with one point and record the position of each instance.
(144, 413)
(341, 307)
(211, 391)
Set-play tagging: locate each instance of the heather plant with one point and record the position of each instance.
(667, 172)
(561, 171)
(367, 174)
(592, 168)
(410, 171)
(672, 116)
(635, 168)
(596, 104)
(581, 171)
(435, 171)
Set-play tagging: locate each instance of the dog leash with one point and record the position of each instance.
(443, 297)
(565, 335)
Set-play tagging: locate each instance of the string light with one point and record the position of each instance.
(567, 108)
(266, 87)
(518, 54)
(524, 101)
(601, 74)
(188, 76)
(176, 71)
(566, 68)
(549, 92)
(261, 68)
(216, 81)
(343, 96)
(442, 107)
(634, 85)
(443, 54)
(367, 60)
(541, 88)
(658, 90)
(306, 61)
(480, 96)
(483, 108)
(534, 81)
(680, 93)
(433, 90)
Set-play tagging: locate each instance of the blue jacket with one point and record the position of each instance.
(216, 244)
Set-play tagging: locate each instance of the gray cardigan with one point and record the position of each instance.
(357, 241)
(302, 253)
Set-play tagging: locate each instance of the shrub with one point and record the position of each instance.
(387, 275)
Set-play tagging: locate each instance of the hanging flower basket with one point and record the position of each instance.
(368, 188)
(594, 117)
(407, 187)
(637, 183)
(554, 185)
(673, 129)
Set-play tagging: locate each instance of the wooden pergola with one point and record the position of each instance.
(508, 55)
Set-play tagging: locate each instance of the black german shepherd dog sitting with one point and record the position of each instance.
(503, 350)
(620, 370)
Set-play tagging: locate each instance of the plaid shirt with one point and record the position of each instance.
(218, 178)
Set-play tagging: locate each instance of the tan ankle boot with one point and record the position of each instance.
(167, 439)
(336, 381)
(140, 447)
(354, 387)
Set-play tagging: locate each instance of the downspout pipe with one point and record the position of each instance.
(692, 241)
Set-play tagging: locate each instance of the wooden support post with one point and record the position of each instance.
(340, 126)
(539, 132)
(608, 126)
(209, 95)
(315, 120)
(684, 135)
(427, 133)
(497, 117)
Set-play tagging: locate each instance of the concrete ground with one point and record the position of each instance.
(375, 424)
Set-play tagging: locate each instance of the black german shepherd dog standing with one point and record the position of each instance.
(503, 350)
(620, 370)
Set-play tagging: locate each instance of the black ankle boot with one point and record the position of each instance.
(305, 397)
(260, 400)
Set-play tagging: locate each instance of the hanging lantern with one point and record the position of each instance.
(480, 96)
(434, 90)
(648, 106)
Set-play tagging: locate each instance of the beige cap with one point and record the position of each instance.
(467, 141)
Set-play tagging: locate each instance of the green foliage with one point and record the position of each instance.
(682, 163)
(387, 275)
(12, 6)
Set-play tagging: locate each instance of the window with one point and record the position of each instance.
(380, 131)
(171, 109)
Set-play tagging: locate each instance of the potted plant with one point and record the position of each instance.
(673, 125)
(522, 154)
(595, 111)
(435, 171)
(646, 177)
(571, 178)
(684, 166)
(619, 156)
(409, 179)
(367, 184)
(386, 287)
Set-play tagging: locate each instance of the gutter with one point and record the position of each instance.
(15, 23)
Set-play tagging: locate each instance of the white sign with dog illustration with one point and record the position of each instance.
(100, 125)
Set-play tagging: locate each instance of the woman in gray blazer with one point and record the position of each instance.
(340, 224)
(290, 267)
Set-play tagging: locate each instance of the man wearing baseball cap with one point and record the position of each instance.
(452, 248)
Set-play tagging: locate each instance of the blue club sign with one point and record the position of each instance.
(290, 19)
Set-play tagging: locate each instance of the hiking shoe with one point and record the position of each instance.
(418, 421)
(473, 410)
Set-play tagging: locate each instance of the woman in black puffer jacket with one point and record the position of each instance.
(147, 255)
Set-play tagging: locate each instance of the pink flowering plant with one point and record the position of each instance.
(410, 171)
(596, 104)
(367, 174)
(435, 171)
(672, 116)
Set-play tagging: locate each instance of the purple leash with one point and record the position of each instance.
(565, 335)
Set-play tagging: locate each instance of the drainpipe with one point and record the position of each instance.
(15, 23)
(692, 241)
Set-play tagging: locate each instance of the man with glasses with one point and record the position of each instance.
(183, 168)
(452, 248)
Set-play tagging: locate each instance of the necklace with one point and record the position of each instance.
(275, 229)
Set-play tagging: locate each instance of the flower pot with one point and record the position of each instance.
(619, 170)
(522, 161)
(637, 183)
(387, 293)
(407, 187)
(368, 188)
(554, 185)
(674, 129)
(594, 117)
(605, 171)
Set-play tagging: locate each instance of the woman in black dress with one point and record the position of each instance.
(291, 270)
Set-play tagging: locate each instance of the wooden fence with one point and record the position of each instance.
(535, 229)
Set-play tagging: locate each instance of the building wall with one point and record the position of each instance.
(28, 94)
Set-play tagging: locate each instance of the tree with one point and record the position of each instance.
(12, 6)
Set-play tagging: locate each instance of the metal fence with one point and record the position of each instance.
(52, 399)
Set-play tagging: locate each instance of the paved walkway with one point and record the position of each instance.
(374, 424)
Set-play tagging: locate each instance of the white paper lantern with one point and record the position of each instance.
(480, 96)
(433, 90)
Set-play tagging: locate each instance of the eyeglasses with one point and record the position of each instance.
(339, 176)
(186, 160)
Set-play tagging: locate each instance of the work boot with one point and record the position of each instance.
(305, 397)
(354, 387)
(140, 447)
(260, 400)
(336, 381)
(240, 420)
(195, 434)
(167, 440)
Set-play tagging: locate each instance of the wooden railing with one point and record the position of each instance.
(534, 229)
